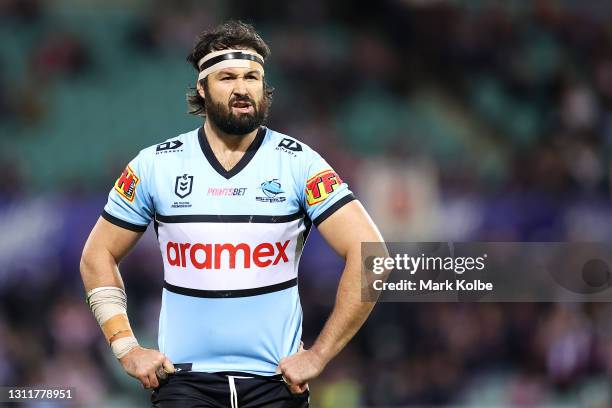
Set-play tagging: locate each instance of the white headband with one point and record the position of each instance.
(217, 60)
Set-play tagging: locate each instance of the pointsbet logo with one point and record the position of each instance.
(413, 264)
(216, 256)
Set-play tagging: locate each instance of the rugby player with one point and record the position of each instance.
(232, 203)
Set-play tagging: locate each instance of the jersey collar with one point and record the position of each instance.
(246, 158)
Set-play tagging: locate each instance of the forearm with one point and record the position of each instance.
(99, 268)
(106, 246)
(348, 315)
(107, 299)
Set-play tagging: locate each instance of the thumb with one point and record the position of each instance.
(168, 366)
(298, 388)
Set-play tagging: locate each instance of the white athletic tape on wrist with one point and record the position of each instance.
(123, 346)
(109, 306)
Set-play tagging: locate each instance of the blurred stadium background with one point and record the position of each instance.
(451, 120)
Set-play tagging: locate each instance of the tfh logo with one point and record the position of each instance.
(126, 184)
(321, 185)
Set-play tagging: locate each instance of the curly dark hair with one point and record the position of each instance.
(232, 34)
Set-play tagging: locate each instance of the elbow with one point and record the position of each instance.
(90, 259)
(98, 268)
(352, 253)
(85, 264)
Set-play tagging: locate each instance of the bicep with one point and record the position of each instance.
(348, 227)
(106, 246)
(112, 239)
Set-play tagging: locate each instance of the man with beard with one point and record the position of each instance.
(232, 204)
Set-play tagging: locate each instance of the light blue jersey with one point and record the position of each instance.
(231, 243)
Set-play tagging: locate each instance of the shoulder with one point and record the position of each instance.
(288, 145)
(176, 145)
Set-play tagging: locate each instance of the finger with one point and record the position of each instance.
(297, 389)
(161, 373)
(153, 383)
(168, 366)
(289, 379)
(145, 381)
(281, 366)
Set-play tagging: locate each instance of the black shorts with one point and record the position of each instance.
(219, 390)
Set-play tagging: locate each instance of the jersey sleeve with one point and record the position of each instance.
(130, 204)
(323, 192)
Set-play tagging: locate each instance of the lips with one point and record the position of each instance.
(242, 106)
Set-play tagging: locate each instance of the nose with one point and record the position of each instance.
(240, 87)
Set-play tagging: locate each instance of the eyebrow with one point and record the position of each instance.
(231, 73)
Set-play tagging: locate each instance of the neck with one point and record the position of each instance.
(221, 141)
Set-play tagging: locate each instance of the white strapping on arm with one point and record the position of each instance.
(110, 302)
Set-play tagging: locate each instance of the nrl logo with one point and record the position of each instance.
(183, 185)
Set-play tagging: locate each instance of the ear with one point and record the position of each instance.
(200, 88)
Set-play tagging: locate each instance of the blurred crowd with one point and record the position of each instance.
(451, 120)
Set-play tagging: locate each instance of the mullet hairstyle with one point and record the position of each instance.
(230, 35)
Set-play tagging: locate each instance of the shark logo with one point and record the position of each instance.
(272, 190)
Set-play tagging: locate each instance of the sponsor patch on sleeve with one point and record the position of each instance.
(126, 184)
(321, 185)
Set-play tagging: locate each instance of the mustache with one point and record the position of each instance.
(242, 98)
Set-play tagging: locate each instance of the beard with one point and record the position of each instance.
(223, 117)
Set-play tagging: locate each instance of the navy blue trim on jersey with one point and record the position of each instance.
(333, 208)
(259, 219)
(308, 225)
(156, 227)
(244, 160)
(230, 293)
(123, 224)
